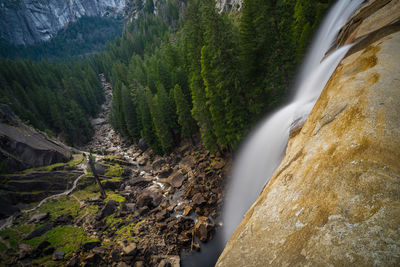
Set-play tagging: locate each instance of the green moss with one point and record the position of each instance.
(114, 171)
(62, 206)
(15, 234)
(112, 222)
(90, 191)
(76, 159)
(126, 232)
(114, 196)
(65, 238)
(113, 179)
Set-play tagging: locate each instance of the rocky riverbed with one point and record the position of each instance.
(157, 208)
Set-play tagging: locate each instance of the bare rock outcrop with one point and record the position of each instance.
(335, 199)
(22, 147)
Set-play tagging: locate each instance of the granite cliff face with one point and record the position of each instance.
(229, 5)
(30, 21)
(335, 199)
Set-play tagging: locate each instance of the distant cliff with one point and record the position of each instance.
(334, 200)
(30, 21)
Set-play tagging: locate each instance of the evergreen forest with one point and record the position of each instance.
(179, 68)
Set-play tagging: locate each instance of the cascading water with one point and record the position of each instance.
(264, 149)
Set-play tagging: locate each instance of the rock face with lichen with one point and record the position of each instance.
(335, 199)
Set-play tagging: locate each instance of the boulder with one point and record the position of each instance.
(142, 160)
(158, 164)
(165, 172)
(142, 144)
(204, 229)
(59, 255)
(39, 231)
(169, 261)
(198, 199)
(64, 219)
(37, 252)
(91, 245)
(139, 264)
(130, 249)
(176, 180)
(108, 209)
(24, 250)
(334, 200)
(144, 199)
(149, 198)
(92, 259)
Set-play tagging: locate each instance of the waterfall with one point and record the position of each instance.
(264, 149)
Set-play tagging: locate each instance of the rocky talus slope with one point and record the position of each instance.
(335, 199)
(27, 21)
(156, 209)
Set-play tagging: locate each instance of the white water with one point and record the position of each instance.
(264, 149)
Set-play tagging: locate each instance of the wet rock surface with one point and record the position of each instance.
(334, 198)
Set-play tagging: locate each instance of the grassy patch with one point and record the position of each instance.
(76, 159)
(65, 238)
(112, 222)
(15, 234)
(114, 196)
(62, 206)
(114, 171)
(126, 232)
(90, 191)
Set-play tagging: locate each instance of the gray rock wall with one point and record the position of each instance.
(229, 5)
(30, 21)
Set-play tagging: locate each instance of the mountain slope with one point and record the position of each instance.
(27, 21)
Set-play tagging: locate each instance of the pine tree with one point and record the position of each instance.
(193, 42)
(148, 130)
(184, 116)
(130, 114)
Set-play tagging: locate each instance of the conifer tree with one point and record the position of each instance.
(130, 115)
(193, 42)
(148, 130)
(184, 116)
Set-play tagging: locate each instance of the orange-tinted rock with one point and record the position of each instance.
(334, 200)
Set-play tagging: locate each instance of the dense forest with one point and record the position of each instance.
(177, 73)
(179, 68)
(55, 98)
